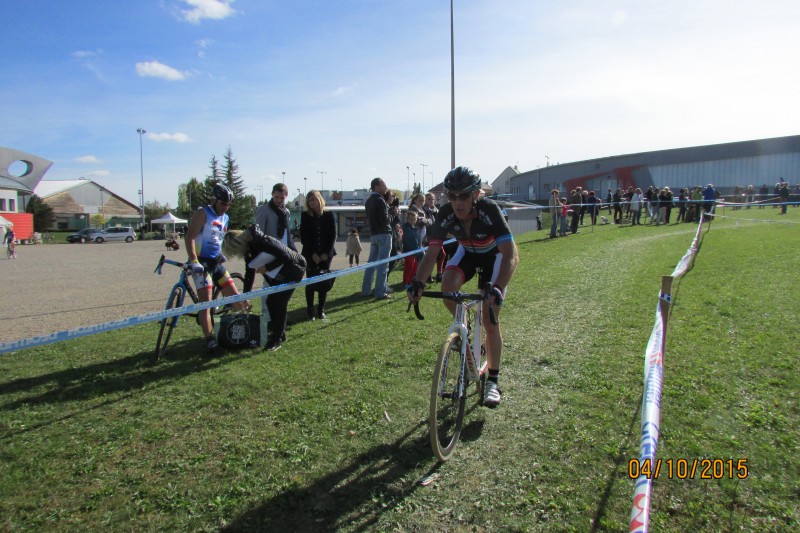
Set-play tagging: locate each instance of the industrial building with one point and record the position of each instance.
(727, 166)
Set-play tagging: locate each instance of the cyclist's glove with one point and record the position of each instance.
(195, 267)
(416, 288)
(497, 293)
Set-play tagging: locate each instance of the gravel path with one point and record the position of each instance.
(56, 287)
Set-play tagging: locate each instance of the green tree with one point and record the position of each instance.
(242, 210)
(190, 196)
(211, 180)
(155, 209)
(43, 217)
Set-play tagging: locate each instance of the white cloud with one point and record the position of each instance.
(154, 69)
(82, 54)
(207, 9)
(203, 44)
(99, 174)
(87, 159)
(340, 91)
(170, 137)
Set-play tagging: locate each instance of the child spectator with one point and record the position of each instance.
(353, 249)
(410, 243)
(564, 211)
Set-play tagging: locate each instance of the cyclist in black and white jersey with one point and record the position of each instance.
(485, 245)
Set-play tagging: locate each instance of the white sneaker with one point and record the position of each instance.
(491, 396)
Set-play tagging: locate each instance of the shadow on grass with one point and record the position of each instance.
(354, 496)
(336, 303)
(121, 377)
(614, 475)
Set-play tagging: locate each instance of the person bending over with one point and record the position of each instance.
(278, 264)
(485, 245)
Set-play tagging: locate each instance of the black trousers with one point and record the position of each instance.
(575, 217)
(277, 305)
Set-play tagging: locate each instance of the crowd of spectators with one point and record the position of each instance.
(657, 205)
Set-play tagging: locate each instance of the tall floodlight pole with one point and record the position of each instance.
(452, 94)
(422, 190)
(408, 182)
(284, 178)
(141, 132)
(322, 180)
(305, 188)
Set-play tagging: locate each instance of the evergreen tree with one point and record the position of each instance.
(211, 180)
(43, 217)
(242, 210)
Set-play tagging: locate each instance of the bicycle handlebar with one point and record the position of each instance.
(458, 297)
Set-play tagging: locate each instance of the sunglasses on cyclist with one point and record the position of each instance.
(463, 196)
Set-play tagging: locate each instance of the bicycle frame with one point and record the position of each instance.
(176, 298)
(472, 359)
(450, 383)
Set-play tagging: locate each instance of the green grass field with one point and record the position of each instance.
(330, 432)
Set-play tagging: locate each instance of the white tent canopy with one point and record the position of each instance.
(5, 222)
(169, 218)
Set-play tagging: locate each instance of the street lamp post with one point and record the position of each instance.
(305, 187)
(141, 132)
(408, 182)
(284, 178)
(260, 193)
(423, 165)
(322, 180)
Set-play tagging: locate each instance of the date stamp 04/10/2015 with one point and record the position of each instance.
(688, 468)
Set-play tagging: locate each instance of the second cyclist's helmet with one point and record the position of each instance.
(462, 179)
(222, 193)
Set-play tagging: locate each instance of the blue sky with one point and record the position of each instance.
(361, 88)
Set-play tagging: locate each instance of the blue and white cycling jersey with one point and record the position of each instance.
(209, 243)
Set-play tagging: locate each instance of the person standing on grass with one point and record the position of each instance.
(277, 263)
(203, 246)
(709, 198)
(485, 243)
(554, 205)
(431, 211)
(783, 197)
(318, 237)
(617, 200)
(380, 241)
(636, 207)
(273, 219)
(574, 201)
(410, 243)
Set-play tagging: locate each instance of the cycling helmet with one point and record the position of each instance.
(222, 193)
(462, 179)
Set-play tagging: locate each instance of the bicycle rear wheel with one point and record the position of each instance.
(447, 399)
(238, 280)
(168, 324)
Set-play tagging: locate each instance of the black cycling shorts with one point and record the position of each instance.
(467, 264)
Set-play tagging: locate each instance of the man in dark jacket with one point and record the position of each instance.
(380, 240)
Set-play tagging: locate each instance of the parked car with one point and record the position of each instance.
(84, 235)
(124, 233)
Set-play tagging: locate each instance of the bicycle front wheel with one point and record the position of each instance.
(168, 324)
(238, 281)
(447, 399)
